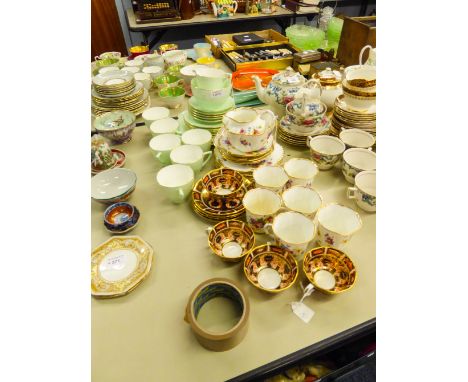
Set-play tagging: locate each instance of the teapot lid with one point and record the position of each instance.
(329, 77)
(289, 77)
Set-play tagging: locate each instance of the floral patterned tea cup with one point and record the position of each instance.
(336, 225)
(301, 172)
(357, 160)
(261, 206)
(292, 231)
(325, 150)
(302, 199)
(272, 178)
(364, 191)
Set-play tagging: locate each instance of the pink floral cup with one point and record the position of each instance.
(261, 206)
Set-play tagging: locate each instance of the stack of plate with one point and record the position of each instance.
(118, 91)
(226, 155)
(200, 117)
(218, 195)
(345, 117)
(295, 135)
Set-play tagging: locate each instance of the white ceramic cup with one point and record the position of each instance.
(336, 225)
(261, 206)
(177, 180)
(132, 69)
(164, 126)
(190, 155)
(302, 199)
(202, 49)
(198, 137)
(106, 69)
(153, 114)
(145, 80)
(292, 231)
(134, 64)
(273, 178)
(325, 150)
(153, 71)
(301, 172)
(364, 190)
(151, 59)
(162, 145)
(357, 138)
(357, 160)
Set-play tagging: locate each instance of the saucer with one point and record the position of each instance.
(119, 162)
(221, 109)
(341, 103)
(222, 142)
(291, 128)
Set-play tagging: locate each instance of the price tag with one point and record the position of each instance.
(217, 93)
(114, 261)
(302, 311)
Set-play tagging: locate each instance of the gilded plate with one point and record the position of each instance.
(118, 265)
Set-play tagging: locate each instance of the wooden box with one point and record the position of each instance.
(268, 34)
(357, 32)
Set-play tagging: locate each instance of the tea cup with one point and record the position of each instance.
(167, 48)
(364, 191)
(162, 145)
(211, 79)
(144, 79)
(325, 150)
(177, 180)
(172, 97)
(272, 178)
(357, 160)
(292, 231)
(106, 69)
(132, 69)
(336, 225)
(151, 59)
(301, 172)
(261, 206)
(105, 55)
(164, 126)
(154, 113)
(167, 80)
(134, 64)
(302, 199)
(202, 49)
(153, 71)
(190, 155)
(198, 137)
(208, 61)
(175, 57)
(357, 138)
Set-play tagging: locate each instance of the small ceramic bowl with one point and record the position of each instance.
(329, 270)
(175, 57)
(112, 186)
(231, 240)
(222, 182)
(271, 268)
(121, 217)
(172, 97)
(116, 125)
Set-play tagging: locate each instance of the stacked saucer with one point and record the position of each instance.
(293, 135)
(218, 195)
(345, 117)
(118, 90)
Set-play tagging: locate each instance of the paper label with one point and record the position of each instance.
(302, 311)
(114, 261)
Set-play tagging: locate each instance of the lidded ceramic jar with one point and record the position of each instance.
(330, 80)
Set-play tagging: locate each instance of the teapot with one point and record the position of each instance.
(249, 129)
(330, 80)
(281, 89)
(224, 8)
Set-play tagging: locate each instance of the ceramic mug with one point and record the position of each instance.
(301, 172)
(292, 231)
(190, 155)
(177, 180)
(202, 49)
(325, 150)
(357, 138)
(364, 191)
(272, 178)
(153, 71)
(162, 145)
(153, 114)
(164, 126)
(302, 199)
(261, 206)
(198, 137)
(145, 79)
(336, 225)
(357, 160)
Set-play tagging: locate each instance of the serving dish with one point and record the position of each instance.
(114, 185)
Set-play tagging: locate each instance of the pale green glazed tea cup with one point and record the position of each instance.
(162, 145)
(177, 181)
(190, 155)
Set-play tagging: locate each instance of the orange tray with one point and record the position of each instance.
(242, 79)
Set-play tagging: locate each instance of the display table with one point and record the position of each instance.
(282, 16)
(143, 336)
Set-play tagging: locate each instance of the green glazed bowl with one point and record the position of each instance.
(167, 80)
(174, 69)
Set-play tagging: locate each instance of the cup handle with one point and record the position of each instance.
(96, 58)
(235, 7)
(159, 155)
(181, 195)
(309, 138)
(362, 53)
(208, 155)
(268, 229)
(351, 192)
(208, 229)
